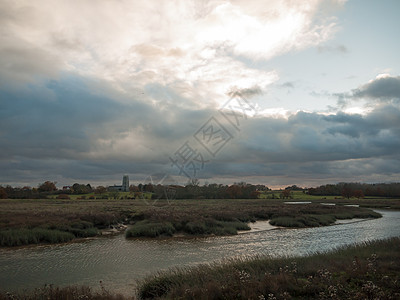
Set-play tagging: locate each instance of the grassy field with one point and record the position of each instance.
(54, 220)
(366, 271)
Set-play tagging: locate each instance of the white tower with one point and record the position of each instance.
(125, 183)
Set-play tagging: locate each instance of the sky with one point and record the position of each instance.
(266, 92)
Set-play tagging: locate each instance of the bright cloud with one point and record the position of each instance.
(187, 45)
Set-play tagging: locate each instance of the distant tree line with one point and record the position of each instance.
(193, 190)
(358, 190)
(42, 191)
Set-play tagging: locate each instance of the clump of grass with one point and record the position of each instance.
(365, 271)
(365, 214)
(303, 220)
(320, 217)
(19, 237)
(207, 226)
(150, 229)
(80, 229)
(52, 233)
(211, 226)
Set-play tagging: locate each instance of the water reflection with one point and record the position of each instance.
(119, 262)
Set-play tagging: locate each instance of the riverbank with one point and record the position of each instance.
(366, 271)
(25, 222)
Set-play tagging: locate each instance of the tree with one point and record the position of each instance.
(234, 191)
(3, 193)
(81, 188)
(133, 188)
(358, 194)
(47, 186)
(286, 194)
(148, 188)
(347, 192)
(100, 190)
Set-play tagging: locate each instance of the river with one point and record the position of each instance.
(118, 262)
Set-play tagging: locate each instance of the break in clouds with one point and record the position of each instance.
(90, 93)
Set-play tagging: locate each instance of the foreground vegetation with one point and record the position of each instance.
(25, 222)
(367, 271)
(50, 292)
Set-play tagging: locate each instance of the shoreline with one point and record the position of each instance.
(120, 229)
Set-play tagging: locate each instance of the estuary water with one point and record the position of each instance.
(118, 263)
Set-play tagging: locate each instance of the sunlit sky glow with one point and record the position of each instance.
(92, 90)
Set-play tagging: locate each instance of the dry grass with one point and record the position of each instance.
(50, 292)
(368, 271)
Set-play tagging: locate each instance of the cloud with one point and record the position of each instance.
(90, 91)
(314, 139)
(288, 85)
(333, 49)
(182, 44)
(79, 135)
(68, 120)
(383, 88)
(245, 92)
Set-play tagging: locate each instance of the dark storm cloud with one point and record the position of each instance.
(65, 128)
(64, 120)
(62, 131)
(310, 145)
(38, 125)
(383, 88)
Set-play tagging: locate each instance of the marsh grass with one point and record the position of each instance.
(150, 229)
(304, 220)
(19, 237)
(83, 218)
(365, 271)
(51, 233)
(50, 292)
(207, 226)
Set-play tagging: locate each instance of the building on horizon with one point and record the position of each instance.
(121, 188)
